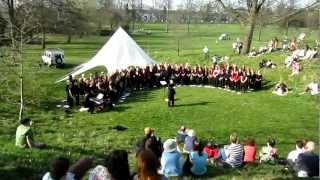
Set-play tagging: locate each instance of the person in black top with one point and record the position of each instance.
(171, 93)
(70, 97)
(307, 164)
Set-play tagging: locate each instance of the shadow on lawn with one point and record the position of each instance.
(194, 104)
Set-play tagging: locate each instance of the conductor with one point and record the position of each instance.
(171, 93)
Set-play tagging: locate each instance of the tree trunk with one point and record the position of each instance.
(167, 19)
(287, 27)
(21, 79)
(69, 38)
(260, 31)
(249, 36)
(43, 42)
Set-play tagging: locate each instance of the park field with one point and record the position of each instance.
(213, 113)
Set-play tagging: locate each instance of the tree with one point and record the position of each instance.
(247, 17)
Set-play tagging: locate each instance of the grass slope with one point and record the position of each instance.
(213, 113)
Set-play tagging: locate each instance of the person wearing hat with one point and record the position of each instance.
(24, 135)
(171, 159)
(171, 93)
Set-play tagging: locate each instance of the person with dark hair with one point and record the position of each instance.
(24, 135)
(116, 167)
(59, 169)
(268, 153)
(249, 150)
(69, 91)
(148, 166)
(171, 94)
(198, 159)
(307, 164)
(293, 155)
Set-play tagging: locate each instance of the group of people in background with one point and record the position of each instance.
(187, 155)
(103, 90)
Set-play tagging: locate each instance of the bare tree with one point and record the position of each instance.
(248, 17)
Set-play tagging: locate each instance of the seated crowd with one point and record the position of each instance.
(178, 157)
(104, 90)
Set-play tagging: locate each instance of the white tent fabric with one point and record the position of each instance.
(120, 52)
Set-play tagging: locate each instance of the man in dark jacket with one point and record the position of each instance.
(171, 93)
(307, 164)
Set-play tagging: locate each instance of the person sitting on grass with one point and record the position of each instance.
(148, 166)
(181, 136)
(24, 135)
(307, 164)
(232, 155)
(313, 88)
(296, 67)
(148, 134)
(59, 169)
(268, 153)
(116, 167)
(212, 150)
(249, 151)
(280, 89)
(198, 159)
(189, 141)
(293, 155)
(171, 159)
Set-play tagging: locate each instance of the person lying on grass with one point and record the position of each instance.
(24, 135)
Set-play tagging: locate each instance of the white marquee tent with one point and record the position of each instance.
(120, 52)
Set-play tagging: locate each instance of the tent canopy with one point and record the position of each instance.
(120, 52)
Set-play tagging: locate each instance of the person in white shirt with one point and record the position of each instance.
(293, 155)
(313, 88)
(205, 51)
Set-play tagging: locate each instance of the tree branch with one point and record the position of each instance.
(234, 13)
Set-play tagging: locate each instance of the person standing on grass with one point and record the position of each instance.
(171, 94)
(24, 135)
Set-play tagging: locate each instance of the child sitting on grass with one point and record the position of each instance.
(268, 153)
(249, 151)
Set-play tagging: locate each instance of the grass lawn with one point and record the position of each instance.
(213, 113)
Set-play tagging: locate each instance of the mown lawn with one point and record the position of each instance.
(213, 113)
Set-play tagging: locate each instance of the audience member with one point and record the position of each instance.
(171, 159)
(181, 135)
(198, 159)
(293, 155)
(281, 89)
(58, 170)
(249, 151)
(116, 167)
(313, 88)
(189, 141)
(268, 153)
(212, 150)
(232, 155)
(24, 135)
(148, 166)
(307, 164)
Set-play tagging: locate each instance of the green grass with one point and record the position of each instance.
(213, 113)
